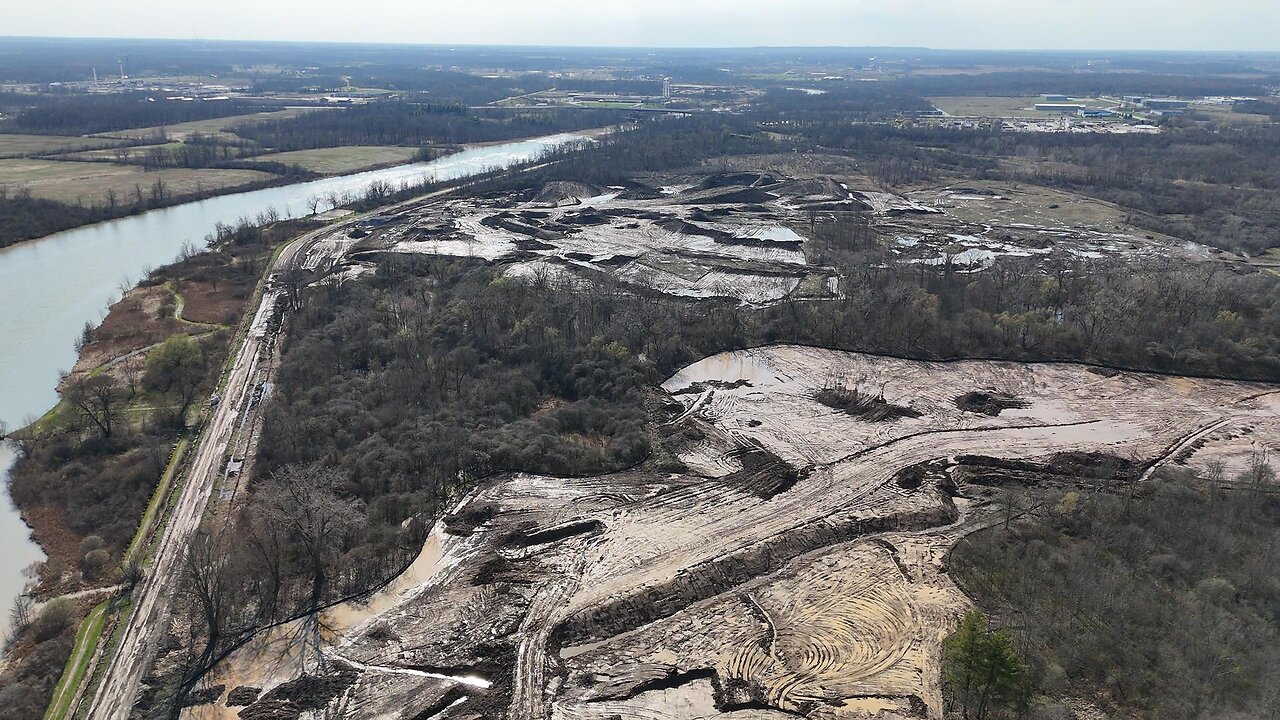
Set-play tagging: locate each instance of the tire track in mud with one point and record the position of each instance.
(596, 614)
(1190, 439)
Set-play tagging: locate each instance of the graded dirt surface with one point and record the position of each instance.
(730, 236)
(795, 569)
(747, 235)
(977, 222)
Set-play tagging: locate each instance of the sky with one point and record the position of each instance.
(967, 24)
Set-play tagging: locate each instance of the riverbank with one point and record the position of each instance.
(24, 218)
(54, 285)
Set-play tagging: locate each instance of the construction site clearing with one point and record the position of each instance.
(797, 566)
(745, 235)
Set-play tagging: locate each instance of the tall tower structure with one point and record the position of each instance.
(666, 88)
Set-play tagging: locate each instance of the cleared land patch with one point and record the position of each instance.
(691, 595)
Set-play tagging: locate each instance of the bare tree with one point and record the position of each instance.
(97, 399)
(212, 582)
(268, 545)
(305, 502)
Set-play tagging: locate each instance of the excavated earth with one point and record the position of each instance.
(795, 569)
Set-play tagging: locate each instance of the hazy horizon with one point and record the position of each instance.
(1040, 25)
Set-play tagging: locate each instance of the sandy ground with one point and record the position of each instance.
(812, 585)
(796, 568)
(690, 243)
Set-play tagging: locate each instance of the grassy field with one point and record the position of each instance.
(214, 127)
(340, 160)
(134, 152)
(1024, 107)
(86, 642)
(72, 181)
(1227, 116)
(19, 145)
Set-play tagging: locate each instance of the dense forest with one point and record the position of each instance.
(88, 114)
(395, 123)
(1160, 599)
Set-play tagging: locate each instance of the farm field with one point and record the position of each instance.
(342, 160)
(214, 127)
(17, 145)
(89, 182)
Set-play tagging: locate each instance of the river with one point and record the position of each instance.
(51, 286)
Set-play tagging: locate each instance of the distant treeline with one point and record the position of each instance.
(87, 114)
(435, 84)
(396, 123)
(838, 103)
(1033, 82)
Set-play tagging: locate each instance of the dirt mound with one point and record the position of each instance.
(814, 189)
(684, 227)
(639, 191)
(736, 179)
(564, 192)
(847, 205)
(872, 408)
(1065, 467)
(758, 242)
(507, 221)
(306, 694)
(746, 196)
(243, 695)
(586, 217)
(764, 474)
(988, 403)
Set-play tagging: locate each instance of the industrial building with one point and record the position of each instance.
(1071, 108)
(1165, 104)
(1055, 98)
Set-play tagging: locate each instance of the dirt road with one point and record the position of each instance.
(115, 696)
(317, 250)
